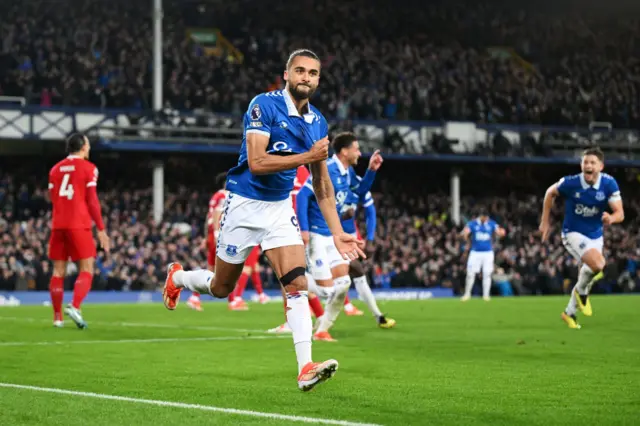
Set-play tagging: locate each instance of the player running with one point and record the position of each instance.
(73, 192)
(282, 132)
(587, 196)
(481, 257)
(347, 153)
(211, 231)
(326, 266)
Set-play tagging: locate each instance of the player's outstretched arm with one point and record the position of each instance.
(261, 163)
(348, 246)
(545, 220)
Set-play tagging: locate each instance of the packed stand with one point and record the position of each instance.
(416, 245)
(417, 62)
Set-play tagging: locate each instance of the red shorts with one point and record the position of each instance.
(211, 252)
(76, 244)
(252, 260)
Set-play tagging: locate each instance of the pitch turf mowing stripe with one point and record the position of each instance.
(143, 324)
(249, 413)
(157, 340)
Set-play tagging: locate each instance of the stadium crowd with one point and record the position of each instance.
(416, 245)
(439, 60)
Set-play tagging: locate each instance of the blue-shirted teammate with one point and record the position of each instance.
(480, 232)
(587, 197)
(327, 268)
(282, 131)
(347, 154)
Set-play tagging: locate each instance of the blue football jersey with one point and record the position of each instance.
(310, 217)
(482, 234)
(584, 203)
(274, 115)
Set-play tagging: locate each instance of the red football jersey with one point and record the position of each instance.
(216, 203)
(302, 175)
(68, 183)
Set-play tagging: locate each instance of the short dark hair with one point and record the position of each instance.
(301, 52)
(221, 179)
(75, 142)
(594, 150)
(343, 140)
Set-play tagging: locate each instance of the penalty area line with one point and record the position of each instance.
(235, 411)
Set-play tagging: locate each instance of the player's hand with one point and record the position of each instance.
(375, 161)
(545, 229)
(606, 218)
(203, 244)
(348, 246)
(305, 237)
(319, 151)
(103, 238)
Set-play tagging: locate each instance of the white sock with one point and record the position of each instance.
(486, 285)
(365, 294)
(299, 319)
(471, 278)
(318, 290)
(198, 280)
(584, 277)
(334, 304)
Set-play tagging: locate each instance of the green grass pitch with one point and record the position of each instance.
(507, 362)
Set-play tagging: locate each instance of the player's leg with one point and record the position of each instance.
(589, 252)
(288, 263)
(82, 249)
(59, 256)
(243, 227)
(194, 301)
(350, 309)
(357, 273)
(473, 267)
(341, 284)
(591, 271)
(236, 303)
(487, 270)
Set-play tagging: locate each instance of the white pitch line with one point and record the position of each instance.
(145, 324)
(158, 340)
(249, 413)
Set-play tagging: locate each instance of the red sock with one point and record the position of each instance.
(346, 300)
(196, 295)
(81, 288)
(56, 290)
(257, 282)
(316, 307)
(242, 284)
(231, 295)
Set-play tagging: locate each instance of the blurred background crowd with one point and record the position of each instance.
(552, 63)
(416, 244)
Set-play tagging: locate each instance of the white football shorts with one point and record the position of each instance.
(577, 244)
(480, 261)
(322, 256)
(247, 223)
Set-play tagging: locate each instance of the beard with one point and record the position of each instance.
(299, 93)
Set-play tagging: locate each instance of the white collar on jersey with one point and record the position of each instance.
(293, 111)
(74, 156)
(343, 171)
(586, 185)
